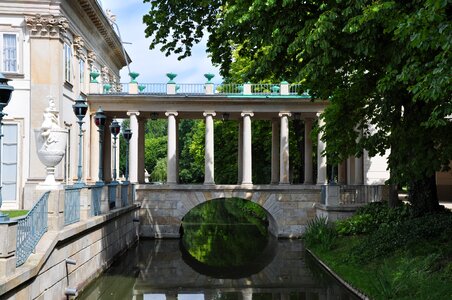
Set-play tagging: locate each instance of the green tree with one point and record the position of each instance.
(385, 66)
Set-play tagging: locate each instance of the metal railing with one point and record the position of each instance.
(31, 228)
(152, 88)
(96, 194)
(112, 195)
(124, 194)
(229, 89)
(71, 205)
(190, 88)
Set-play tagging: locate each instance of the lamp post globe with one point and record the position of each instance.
(80, 108)
(5, 96)
(115, 128)
(127, 135)
(100, 119)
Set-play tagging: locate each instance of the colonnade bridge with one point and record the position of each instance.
(163, 206)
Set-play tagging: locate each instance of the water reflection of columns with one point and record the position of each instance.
(284, 149)
(247, 294)
(133, 146)
(209, 149)
(172, 148)
(308, 178)
(275, 151)
(321, 159)
(247, 148)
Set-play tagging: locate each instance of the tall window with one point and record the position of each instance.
(67, 63)
(9, 162)
(82, 71)
(9, 52)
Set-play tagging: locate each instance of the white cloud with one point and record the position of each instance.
(153, 64)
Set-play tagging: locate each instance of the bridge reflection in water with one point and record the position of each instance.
(155, 269)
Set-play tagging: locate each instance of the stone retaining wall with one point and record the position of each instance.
(92, 243)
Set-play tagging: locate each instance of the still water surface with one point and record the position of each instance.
(162, 270)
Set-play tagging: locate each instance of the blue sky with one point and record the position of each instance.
(153, 64)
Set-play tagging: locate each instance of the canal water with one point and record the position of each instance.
(227, 252)
(157, 270)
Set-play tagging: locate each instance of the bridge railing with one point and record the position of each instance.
(71, 205)
(224, 89)
(31, 228)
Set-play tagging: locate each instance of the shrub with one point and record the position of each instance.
(410, 232)
(372, 217)
(319, 232)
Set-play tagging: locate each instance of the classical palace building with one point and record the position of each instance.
(48, 49)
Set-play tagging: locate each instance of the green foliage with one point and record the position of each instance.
(15, 213)
(372, 217)
(319, 232)
(389, 239)
(159, 172)
(225, 232)
(384, 66)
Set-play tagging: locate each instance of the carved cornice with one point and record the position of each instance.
(47, 25)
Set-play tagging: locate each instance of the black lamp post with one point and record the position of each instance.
(114, 129)
(100, 120)
(127, 135)
(80, 107)
(5, 95)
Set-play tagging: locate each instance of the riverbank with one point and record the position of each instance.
(388, 255)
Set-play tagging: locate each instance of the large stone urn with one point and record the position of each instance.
(51, 142)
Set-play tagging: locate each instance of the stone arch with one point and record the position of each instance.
(266, 201)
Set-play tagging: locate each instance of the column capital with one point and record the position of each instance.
(247, 113)
(171, 113)
(133, 113)
(284, 114)
(209, 113)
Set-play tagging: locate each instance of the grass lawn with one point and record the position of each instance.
(15, 213)
(420, 267)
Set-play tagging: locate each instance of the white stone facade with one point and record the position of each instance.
(57, 44)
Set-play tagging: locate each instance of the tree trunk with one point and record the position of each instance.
(423, 196)
(394, 200)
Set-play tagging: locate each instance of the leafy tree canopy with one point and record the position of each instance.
(385, 66)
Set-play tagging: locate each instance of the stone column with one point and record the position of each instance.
(141, 150)
(359, 170)
(133, 146)
(247, 149)
(171, 169)
(240, 154)
(321, 159)
(107, 151)
(308, 178)
(94, 150)
(342, 173)
(209, 149)
(275, 151)
(284, 149)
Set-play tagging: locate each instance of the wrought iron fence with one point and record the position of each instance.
(71, 205)
(96, 194)
(229, 89)
(152, 88)
(31, 228)
(265, 89)
(190, 89)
